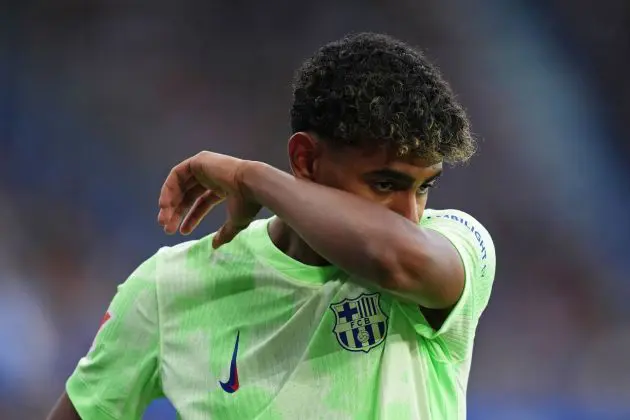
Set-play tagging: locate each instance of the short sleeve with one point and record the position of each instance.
(119, 376)
(476, 249)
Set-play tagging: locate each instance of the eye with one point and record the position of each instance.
(383, 186)
(424, 189)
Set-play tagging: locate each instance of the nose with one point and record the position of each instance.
(406, 204)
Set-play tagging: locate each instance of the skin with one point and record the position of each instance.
(372, 234)
(377, 198)
(64, 410)
(374, 175)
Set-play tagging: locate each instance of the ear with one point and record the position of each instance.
(304, 151)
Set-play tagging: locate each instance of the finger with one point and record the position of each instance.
(174, 189)
(220, 238)
(164, 215)
(190, 197)
(227, 232)
(189, 184)
(206, 202)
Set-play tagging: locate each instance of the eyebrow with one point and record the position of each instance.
(401, 176)
(392, 174)
(434, 177)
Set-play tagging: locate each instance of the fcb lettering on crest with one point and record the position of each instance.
(360, 324)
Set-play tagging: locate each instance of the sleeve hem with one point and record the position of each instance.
(468, 278)
(85, 401)
(415, 315)
(160, 350)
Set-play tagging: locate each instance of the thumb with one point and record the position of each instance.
(227, 232)
(240, 214)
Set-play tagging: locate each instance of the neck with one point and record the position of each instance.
(288, 241)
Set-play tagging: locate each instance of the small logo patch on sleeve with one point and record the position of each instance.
(104, 320)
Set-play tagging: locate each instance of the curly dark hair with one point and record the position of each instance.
(370, 89)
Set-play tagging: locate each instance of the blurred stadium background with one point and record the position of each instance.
(99, 99)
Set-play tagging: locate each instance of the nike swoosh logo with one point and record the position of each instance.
(232, 383)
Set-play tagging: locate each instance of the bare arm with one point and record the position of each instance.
(116, 357)
(64, 410)
(361, 237)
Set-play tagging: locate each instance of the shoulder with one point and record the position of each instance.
(474, 245)
(198, 254)
(178, 266)
(467, 234)
(433, 216)
(182, 253)
(194, 266)
(457, 220)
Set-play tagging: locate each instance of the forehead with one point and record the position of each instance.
(362, 160)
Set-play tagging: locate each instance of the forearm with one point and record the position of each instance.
(361, 237)
(64, 410)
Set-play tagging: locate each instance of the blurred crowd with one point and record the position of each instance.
(99, 99)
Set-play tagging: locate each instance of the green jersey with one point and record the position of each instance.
(246, 332)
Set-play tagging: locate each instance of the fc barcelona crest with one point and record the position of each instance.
(360, 324)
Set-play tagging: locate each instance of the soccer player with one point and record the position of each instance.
(352, 302)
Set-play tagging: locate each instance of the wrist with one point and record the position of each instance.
(250, 172)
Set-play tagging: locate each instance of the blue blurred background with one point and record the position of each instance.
(99, 99)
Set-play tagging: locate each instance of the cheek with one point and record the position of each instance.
(361, 189)
(352, 185)
(365, 191)
(331, 178)
(341, 178)
(422, 204)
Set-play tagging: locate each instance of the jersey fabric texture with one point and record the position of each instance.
(245, 332)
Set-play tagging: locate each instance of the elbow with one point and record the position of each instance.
(394, 273)
(413, 275)
(398, 280)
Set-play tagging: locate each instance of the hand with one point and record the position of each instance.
(196, 185)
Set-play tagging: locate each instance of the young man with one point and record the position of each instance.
(353, 302)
